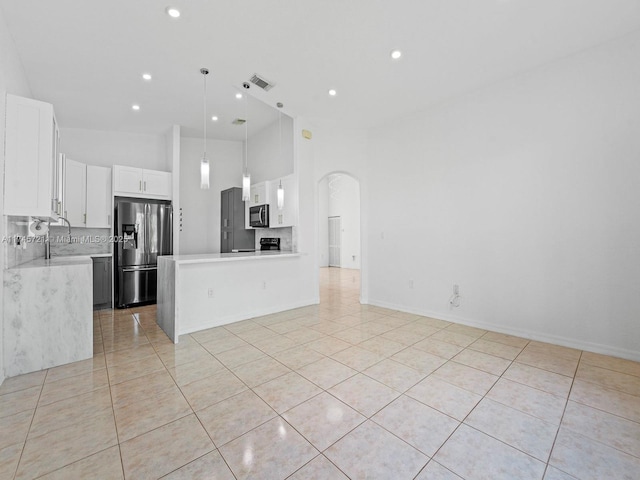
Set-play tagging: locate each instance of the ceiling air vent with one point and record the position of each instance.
(239, 121)
(261, 82)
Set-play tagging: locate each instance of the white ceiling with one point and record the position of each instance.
(86, 56)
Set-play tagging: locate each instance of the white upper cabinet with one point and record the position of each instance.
(267, 193)
(259, 194)
(98, 197)
(127, 180)
(75, 192)
(156, 183)
(142, 183)
(31, 159)
(288, 216)
(87, 199)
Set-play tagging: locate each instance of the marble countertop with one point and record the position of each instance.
(61, 261)
(226, 257)
(55, 262)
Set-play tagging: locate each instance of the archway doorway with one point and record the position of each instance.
(339, 235)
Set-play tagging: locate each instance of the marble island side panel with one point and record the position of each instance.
(196, 292)
(48, 318)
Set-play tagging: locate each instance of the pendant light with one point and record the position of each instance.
(280, 192)
(204, 163)
(246, 178)
(280, 196)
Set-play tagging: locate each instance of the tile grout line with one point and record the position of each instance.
(362, 323)
(491, 436)
(165, 424)
(113, 410)
(26, 438)
(553, 445)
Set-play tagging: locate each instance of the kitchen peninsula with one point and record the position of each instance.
(48, 313)
(196, 292)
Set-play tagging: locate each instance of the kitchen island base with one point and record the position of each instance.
(197, 292)
(48, 314)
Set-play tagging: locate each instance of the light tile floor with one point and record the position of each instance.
(339, 390)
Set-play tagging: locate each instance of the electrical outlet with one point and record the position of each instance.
(456, 290)
(264, 285)
(210, 292)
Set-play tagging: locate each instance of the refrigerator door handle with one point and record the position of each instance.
(138, 269)
(170, 222)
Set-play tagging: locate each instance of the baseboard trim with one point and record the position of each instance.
(252, 314)
(524, 333)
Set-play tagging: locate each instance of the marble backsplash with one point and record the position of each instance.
(84, 241)
(19, 247)
(285, 235)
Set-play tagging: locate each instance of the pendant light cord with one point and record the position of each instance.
(280, 130)
(246, 134)
(204, 103)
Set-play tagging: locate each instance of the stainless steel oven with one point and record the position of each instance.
(259, 216)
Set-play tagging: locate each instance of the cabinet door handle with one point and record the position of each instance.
(145, 185)
(140, 187)
(85, 218)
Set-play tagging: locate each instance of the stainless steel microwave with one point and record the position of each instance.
(259, 216)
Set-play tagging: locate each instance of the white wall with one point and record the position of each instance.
(266, 161)
(98, 147)
(173, 154)
(526, 195)
(323, 222)
(339, 196)
(344, 202)
(201, 208)
(12, 80)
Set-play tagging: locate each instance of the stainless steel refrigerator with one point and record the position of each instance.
(143, 230)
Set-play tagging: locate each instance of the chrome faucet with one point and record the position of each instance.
(47, 242)
(69, 224)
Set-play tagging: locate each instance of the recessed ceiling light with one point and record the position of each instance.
(135, 107)
(146, 76)
(214, 118)
(238, 96)
(173, 12)
(332, 92)
(396, 54)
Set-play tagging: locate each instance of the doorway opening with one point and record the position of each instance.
(335, 242)
(339, 238)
